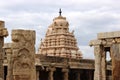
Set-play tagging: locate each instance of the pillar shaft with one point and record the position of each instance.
(1, 58)
(37, 75)
(50, 74)
(103, 65)
(65, 74)
(9, 71)
(97, 53)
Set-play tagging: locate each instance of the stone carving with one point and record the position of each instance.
(3, 33)
(59, 41)
(23, 55)
(23, 60)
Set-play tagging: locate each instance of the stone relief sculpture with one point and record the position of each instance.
(23, 54)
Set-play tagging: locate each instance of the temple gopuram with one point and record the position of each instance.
(58, 57)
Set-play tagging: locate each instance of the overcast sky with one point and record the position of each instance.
(86, 17)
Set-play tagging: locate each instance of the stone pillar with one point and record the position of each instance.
(8, 52)
(97, 53)
(65, 74)
(115, 54)
(103, 65)
(23, 54)
(50, 74)
(37, 75)
(3, 33)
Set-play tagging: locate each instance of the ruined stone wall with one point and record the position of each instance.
(23, 55)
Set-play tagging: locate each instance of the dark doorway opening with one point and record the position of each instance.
(58, 74)
(5, 72)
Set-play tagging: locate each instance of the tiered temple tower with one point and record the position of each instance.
(58, 40)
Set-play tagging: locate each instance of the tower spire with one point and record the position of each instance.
(60, 12)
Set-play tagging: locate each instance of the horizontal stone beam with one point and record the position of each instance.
(107, 35)
(7, 45)
(97, 42)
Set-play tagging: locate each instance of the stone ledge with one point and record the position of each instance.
(95, 42)
(106, 35)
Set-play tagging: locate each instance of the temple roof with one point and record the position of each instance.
(59, 41)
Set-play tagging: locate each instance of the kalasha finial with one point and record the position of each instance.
(60, 12)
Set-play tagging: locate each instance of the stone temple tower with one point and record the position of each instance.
(58, 40)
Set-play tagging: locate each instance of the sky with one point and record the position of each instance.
(86, 18)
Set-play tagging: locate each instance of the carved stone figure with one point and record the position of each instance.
(23, 54)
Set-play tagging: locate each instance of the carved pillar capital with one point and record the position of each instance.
(97, 42)
(3, 31)
(50, 69)
(65, 70)
(7, 47)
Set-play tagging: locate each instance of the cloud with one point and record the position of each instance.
(86, 17)
(87, 52)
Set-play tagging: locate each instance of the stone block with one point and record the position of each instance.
(95, 42)
(107, 35)
(2, 24)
